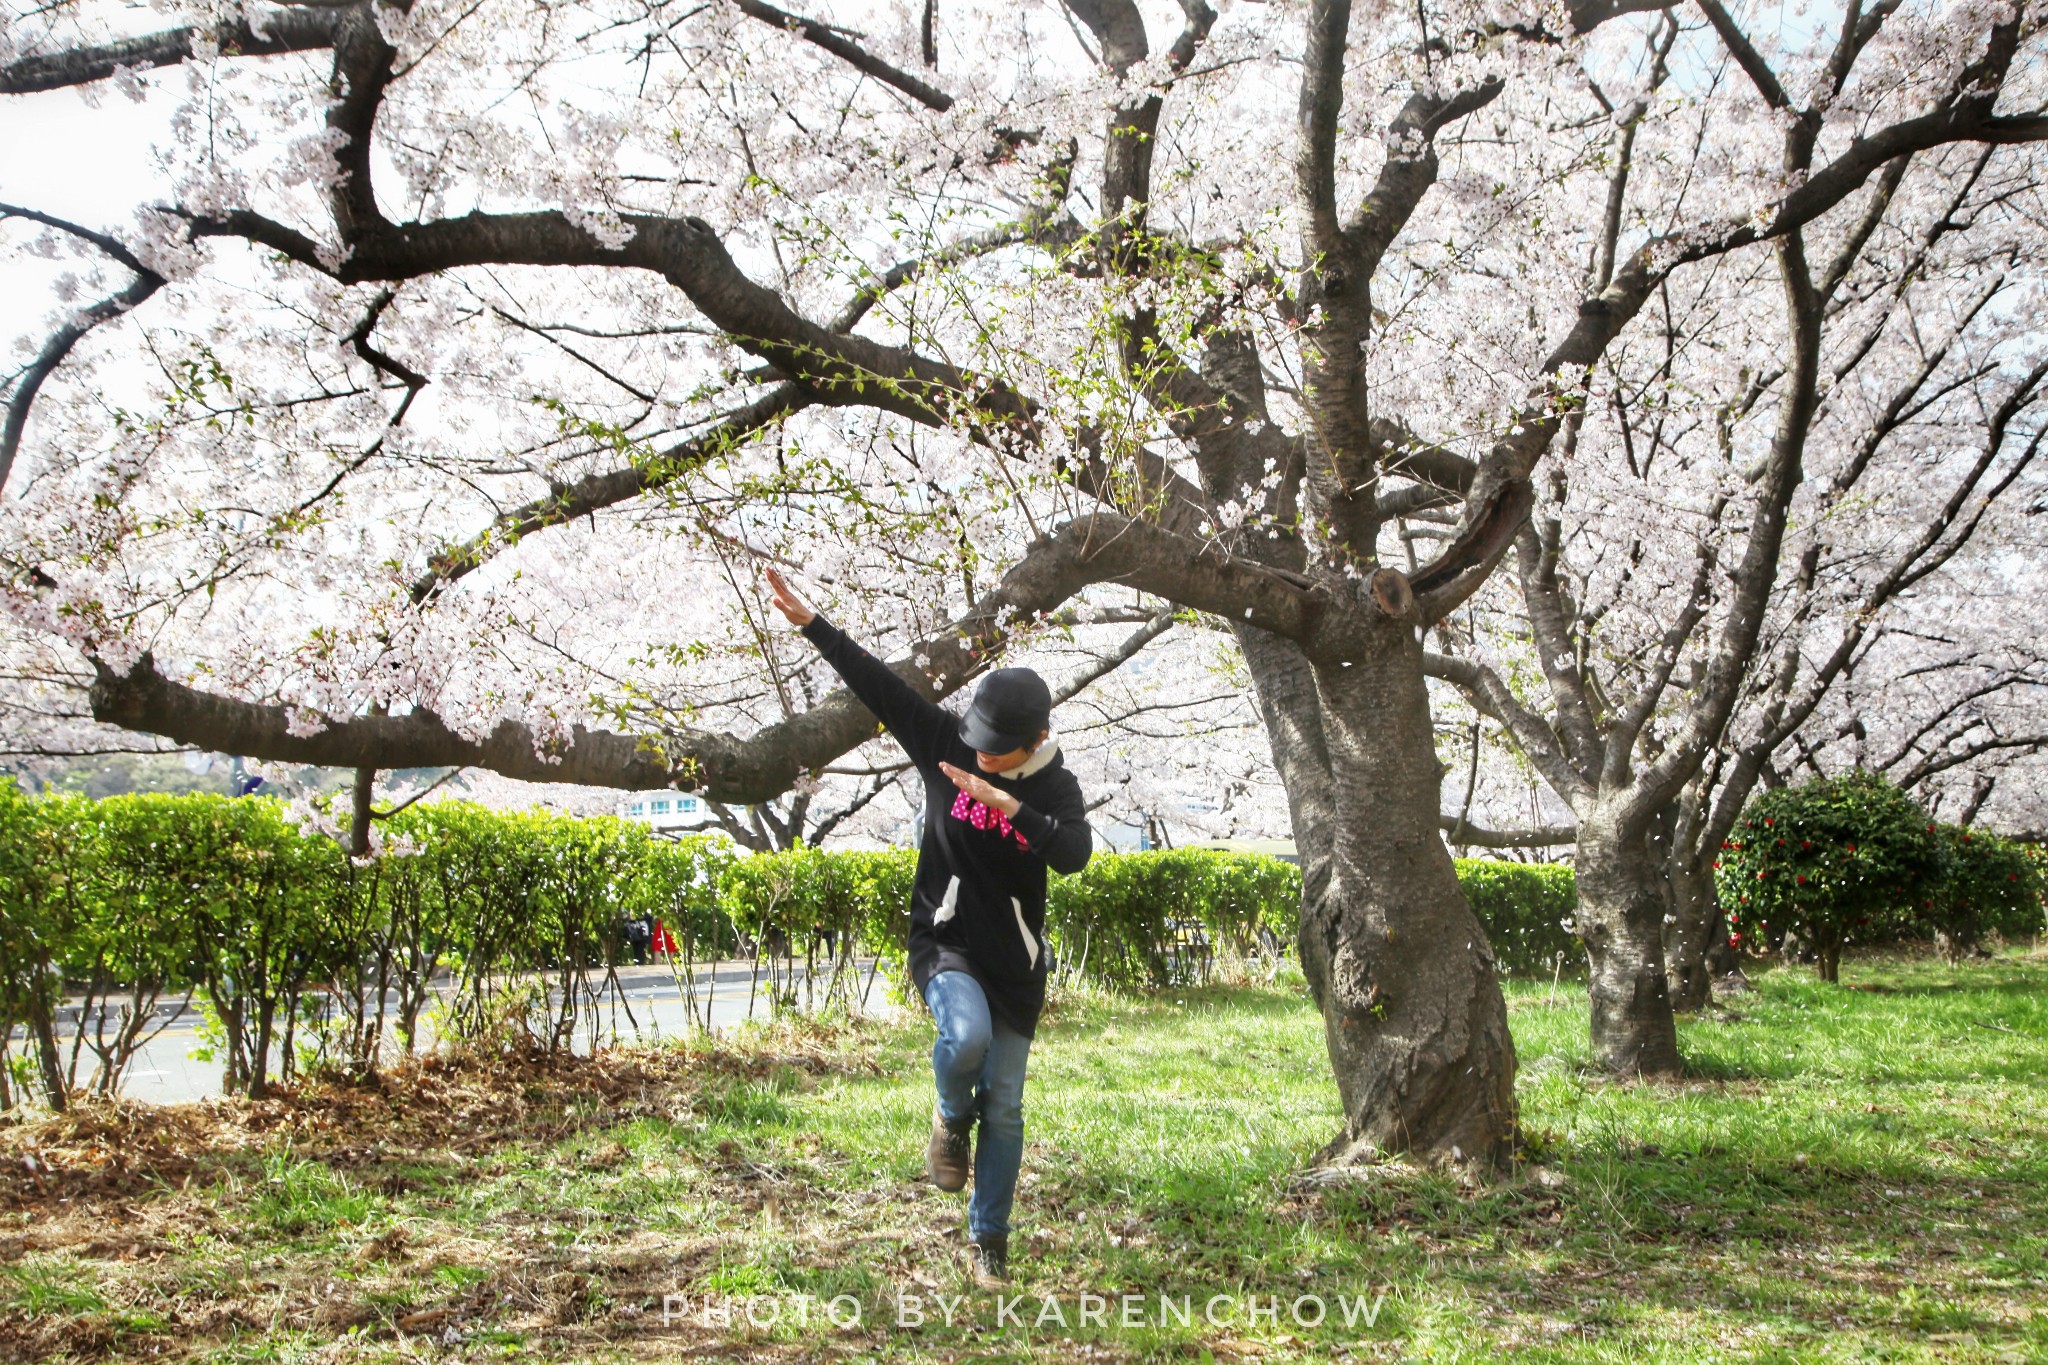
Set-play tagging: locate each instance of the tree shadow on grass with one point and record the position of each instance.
(1660, 1241)
(1672, 1250)
(1708, 1068)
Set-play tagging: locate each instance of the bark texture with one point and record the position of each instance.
(1412, 1009)
(1624, 898)
(1688, 938)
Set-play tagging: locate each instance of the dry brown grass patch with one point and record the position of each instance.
(111, 1150)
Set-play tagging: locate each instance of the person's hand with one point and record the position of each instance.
(982, 790)
(788, 600)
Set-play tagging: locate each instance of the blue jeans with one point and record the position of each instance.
(978, 1063)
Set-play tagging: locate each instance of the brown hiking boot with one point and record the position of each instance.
(990, 1261)
(946, 1157)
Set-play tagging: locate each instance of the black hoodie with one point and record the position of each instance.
(978, 904)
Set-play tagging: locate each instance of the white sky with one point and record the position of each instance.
(91, 166)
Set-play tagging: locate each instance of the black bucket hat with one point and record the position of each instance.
(1010, 708)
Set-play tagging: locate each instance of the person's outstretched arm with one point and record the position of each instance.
(915, 722)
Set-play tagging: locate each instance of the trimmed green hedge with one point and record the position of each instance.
(301, 956)
(1159, 918)
(1524, 907)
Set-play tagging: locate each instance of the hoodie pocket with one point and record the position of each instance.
(1030, 943)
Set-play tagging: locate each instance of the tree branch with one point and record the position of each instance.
(272, 31)
(720, 766)
(29, 382)
(1558, 649)
(1477, 836)
(1500, 495)
(1628, 725)
(595, 492)
(1104, 664)
(1745, 54)
(852, 53)
(1934, 764)
(1537, 741)
(1098, 548)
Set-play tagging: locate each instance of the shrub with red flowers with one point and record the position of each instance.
(1835, 860)
(1993, 885)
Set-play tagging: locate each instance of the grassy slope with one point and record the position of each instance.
(1855, 1174)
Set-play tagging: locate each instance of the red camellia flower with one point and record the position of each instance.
(1800, 879)
(1769, 821)
(1717, 867)
(1805, 844)
(1852, 848)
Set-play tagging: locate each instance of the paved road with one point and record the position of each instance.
(648, 1004)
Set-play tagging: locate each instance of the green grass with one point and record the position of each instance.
(299, 1196)
(1852, 1173)
(47, 1286)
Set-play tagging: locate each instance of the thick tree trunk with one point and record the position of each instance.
(1623, 899)
(1723, 961)
(1697, 954)
(1288, 704)
(1688, 937)
(1412, 1009)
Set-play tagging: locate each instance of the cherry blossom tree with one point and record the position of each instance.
(1755, 486)
(1945, 700)
(439, 411)
(1902, 649)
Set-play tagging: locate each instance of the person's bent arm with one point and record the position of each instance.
(1060, 836)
